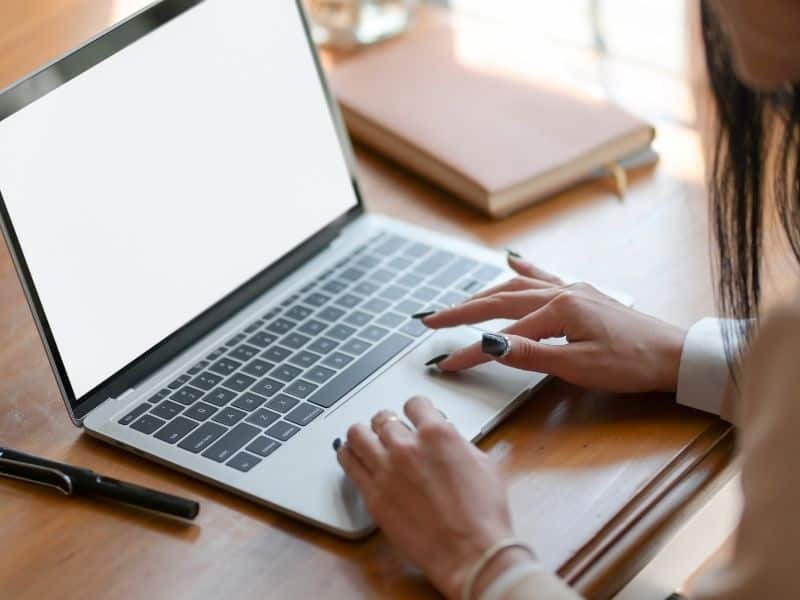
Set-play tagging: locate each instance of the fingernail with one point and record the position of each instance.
(513, 254)
(495, 344)
(422, 315)
(436, 360)
(337, 443)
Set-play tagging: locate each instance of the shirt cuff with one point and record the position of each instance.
(498, 589)
(703, 373)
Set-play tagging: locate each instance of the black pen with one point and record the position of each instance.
(78, 481)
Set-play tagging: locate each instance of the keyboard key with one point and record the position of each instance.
(373, 333)
(219, 397)
(281, 326)
(229, 416)
(319, 374)
(262, 339)
(341, 332)
(271, 314)
(167, 410)
(452, 298)
(295, 340)
(393, 293)
(376, 305)
(348, 300)
(304, 414)
(366, 288)
(198, 367)
(337, 360)
(267, 387)
(243, 462)
(334, 287)
(434, 262)
(331, 314)
(399, 263)
(358, 318)
(454, 272)
(147, 424)
(282, 430)
(313, 327)
(186, 395)
(487, 273)
(175, 430)
(299, 313)
(290, 300)
(425, 293)
(316, 299)
(136, 412)
(368, 261)
(257, 367)
(225, 366)
(323, 345)
(390, 246)
(365, 366)
(231, 442)
(276, 354)
(254, 326)
(239, 337)
(470, 286)
(160, 395)
(301, 388)
(351, 274)
(391, 320)
(356, 346)
(263, 418)
(282, 403)
(200, 411)
(178, 382)
(205, 381)
(216, 353)
(249, 401)
(239, 382)
(202, 437)
(408, 307)
(410, 281)
(383, 275)
(263, 446)
(417, 250)
(285, 372)
(304, 359)
(414, 328)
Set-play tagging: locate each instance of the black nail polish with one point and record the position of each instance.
(337, 443)
(422, 315)
(436, 360)
(494, 344)
(513, 254)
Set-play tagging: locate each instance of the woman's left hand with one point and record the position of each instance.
(439, 499)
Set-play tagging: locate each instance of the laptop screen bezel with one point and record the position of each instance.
(26, 91)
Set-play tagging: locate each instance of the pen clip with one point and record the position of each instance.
(48, 477)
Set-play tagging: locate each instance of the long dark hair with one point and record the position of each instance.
(742, 175)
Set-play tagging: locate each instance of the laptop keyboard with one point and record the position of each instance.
(284, 370)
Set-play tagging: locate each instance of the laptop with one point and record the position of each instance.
(180, 200)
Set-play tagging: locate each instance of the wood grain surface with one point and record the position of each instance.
(595, 479)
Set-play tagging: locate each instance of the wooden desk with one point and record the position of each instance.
(596, 479)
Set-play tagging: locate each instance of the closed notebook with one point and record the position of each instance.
(466, 106)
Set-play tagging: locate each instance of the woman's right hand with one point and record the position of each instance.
(609, 346)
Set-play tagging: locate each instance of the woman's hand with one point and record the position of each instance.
(610, 346)
(439, 500)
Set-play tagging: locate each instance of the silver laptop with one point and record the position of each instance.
(180, 201)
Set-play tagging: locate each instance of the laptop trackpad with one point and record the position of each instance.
(469, 399)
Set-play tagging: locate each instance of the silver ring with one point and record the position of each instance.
(507, 351)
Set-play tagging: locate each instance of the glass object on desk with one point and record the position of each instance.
(344, 23)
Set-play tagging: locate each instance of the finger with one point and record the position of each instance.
(504, 305)
(421, 411)
(540, 324)
(516, 284)
(366, 446)
(530, 355)
(527, 269)
(389, 429)
(353, 467)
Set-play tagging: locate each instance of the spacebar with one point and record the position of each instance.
(365, 366)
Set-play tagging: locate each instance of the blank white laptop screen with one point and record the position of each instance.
(156, 183)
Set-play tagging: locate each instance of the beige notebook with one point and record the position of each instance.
(465, 105)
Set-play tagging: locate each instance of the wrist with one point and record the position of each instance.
(501, 563)
(669, 359)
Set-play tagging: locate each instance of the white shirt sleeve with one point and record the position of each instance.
(703, 373)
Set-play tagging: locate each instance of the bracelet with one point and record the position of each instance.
(486, 557)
